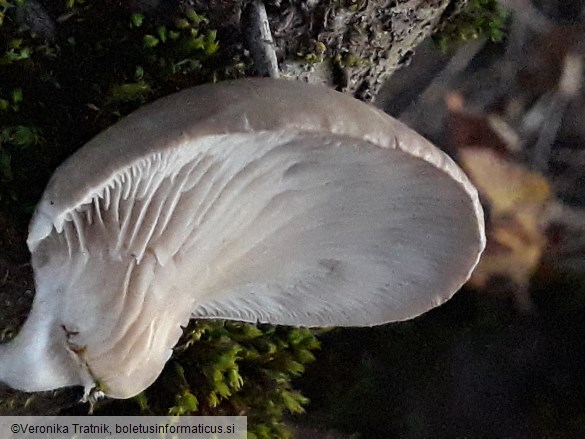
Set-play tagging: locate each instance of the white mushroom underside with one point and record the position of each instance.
(282, 227)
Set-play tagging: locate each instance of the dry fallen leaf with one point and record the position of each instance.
(518, 200)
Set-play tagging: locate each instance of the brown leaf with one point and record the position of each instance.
(517, 198)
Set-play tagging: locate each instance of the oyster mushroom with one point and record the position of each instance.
(258, 200)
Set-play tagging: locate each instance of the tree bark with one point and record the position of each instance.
(349, 45)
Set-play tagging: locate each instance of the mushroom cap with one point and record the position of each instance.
(258, 200)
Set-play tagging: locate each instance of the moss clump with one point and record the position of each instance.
(477, 18)
(231, 368)
(90, 63)
(315, 52)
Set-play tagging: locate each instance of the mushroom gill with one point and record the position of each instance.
(259, 200)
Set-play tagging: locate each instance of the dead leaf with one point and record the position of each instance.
(517, 199)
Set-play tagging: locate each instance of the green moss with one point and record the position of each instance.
(315, 53)
(231, 368)
(478, 18)
(58, 91)
(350, 60)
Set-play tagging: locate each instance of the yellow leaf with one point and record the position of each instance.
(506, 185)
(517, 198)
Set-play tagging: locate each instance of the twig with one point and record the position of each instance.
(260, 41)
